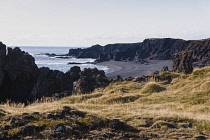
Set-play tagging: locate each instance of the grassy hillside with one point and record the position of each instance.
(155, 110)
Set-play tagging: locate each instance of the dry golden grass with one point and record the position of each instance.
(186, 97)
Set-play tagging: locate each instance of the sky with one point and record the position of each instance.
(83, 23)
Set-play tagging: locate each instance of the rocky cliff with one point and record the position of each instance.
(158, 48)
(22, 81)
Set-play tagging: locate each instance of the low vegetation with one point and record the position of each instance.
(152, 110)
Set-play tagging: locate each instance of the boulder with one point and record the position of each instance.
(74, 72)
(129, 78)
(20, 75)
(2, 61)
(140, 79)
(118, 78)
(165, 69)
(166, 76)
(155, 73)
(89, 80)
(182, 62)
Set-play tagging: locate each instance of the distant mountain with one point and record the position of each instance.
(154, 48)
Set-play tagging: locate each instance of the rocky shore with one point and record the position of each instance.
(22, 81)
(149, 49)
(123, 107)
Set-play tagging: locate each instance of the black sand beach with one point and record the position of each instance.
(125, 69)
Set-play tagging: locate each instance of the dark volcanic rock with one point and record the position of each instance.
(92, 52)
(90, 79)
(20, 75)
(102, 58)
(118, 56)
(118, 78)
(74, 52)
(2, 61)
(74, 72)
(182, 62)
(22, 81)
(140, 79)
(129, 78)
(157, 48)
(50, 82)
(164, 69)
(74, 63)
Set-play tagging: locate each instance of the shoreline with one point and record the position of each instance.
(134, 69)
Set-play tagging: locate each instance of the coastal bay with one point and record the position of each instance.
(134, 69)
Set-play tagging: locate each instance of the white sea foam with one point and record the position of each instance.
(59, 63)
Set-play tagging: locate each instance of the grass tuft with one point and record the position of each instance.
(153, 87)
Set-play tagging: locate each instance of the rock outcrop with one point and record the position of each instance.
(67, 123)
(164, 69)
(182, 62)
(50, 82)
(22, 81)
(157, 48)
(74, 72)
(2, 61)
(20, 73)
(89, 80)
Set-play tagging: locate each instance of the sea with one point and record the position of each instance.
(60, 64)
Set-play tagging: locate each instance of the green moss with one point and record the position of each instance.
(14, 131)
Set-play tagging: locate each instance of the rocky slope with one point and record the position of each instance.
(63, 124)
(22, 81)
(127, 109)
(161, 49)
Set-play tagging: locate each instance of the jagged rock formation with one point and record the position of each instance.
(50, 82)
(20, 73)
(161, 49)
(182, 62)
(22, 81)
(89, 80)
(2, 61)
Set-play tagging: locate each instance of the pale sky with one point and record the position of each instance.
(79, 23)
